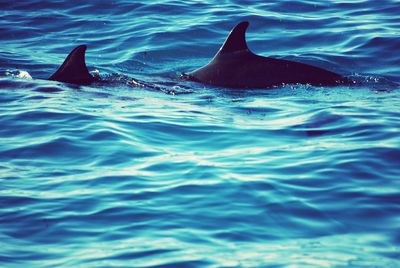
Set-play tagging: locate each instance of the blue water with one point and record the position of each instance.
(179, 174)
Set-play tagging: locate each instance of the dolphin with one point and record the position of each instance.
(235, 66)
(74, 70)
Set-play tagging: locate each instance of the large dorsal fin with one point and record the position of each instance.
(236, 40)
(74, 69)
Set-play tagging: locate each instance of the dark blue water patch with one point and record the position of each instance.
(102, 135)
(61, 148)
(295, 7)
(141, 254)
(82, 204)
(23, 225)
(47, 116)
(392, 255)
(190, 264)
(19, 256)
(13, 85)
(324, 122)
(47, 89)
(13, 201)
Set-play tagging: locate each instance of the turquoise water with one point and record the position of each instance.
(178, 174)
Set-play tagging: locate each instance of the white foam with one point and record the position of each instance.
(19, 74)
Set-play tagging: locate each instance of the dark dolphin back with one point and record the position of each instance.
(236, 40)
(74, 70)
(235, 66)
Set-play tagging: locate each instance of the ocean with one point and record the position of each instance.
(174, 173)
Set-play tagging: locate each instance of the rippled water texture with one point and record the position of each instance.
(178, 174)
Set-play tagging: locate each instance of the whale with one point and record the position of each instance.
(236, 66)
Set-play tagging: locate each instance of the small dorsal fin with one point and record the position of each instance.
(236, 40)
(74, 70)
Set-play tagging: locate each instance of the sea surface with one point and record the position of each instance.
(170, 173)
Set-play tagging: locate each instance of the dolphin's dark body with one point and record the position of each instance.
(235, 66)
(74, 70)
